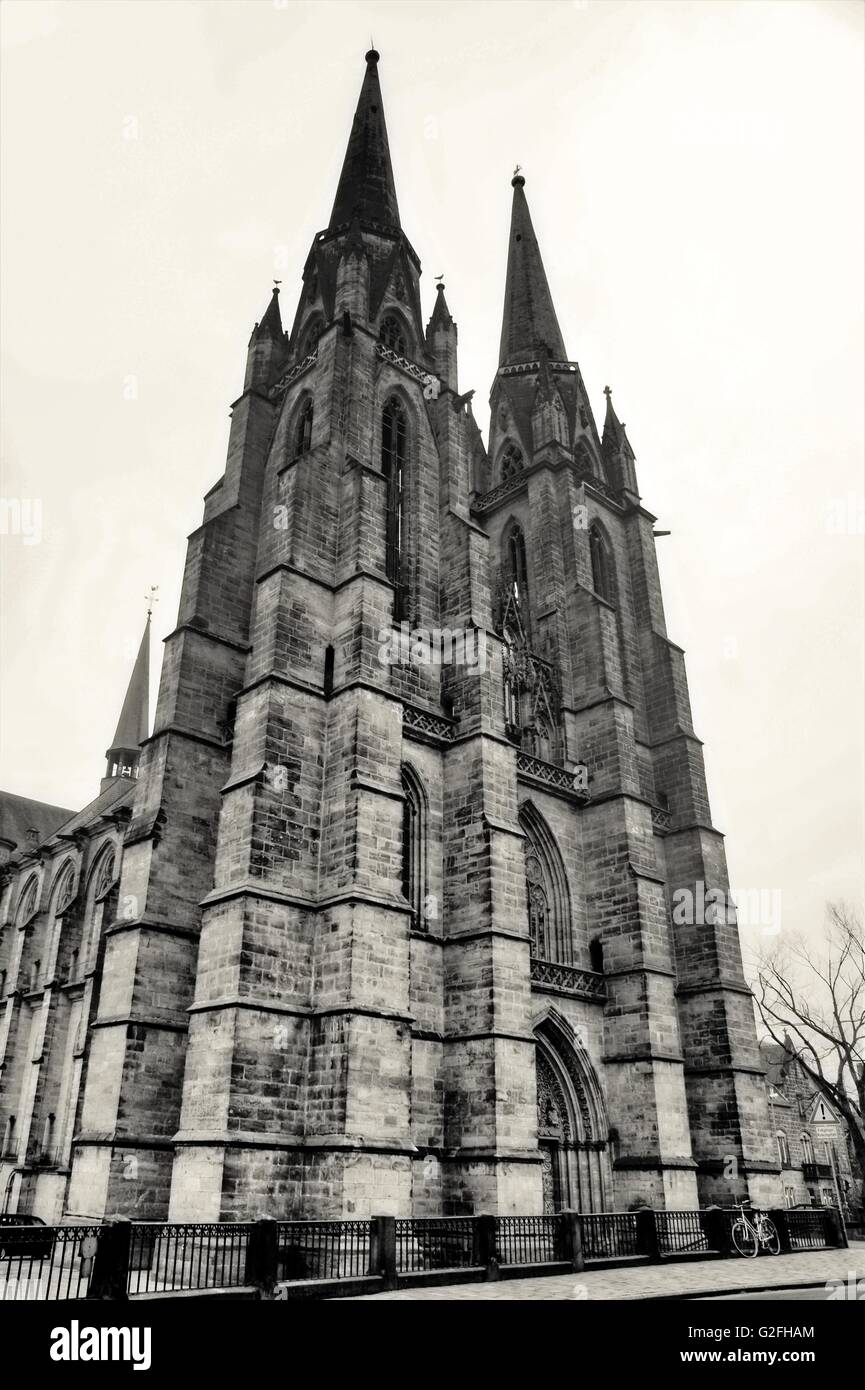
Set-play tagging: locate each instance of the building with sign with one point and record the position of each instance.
(818, 1166)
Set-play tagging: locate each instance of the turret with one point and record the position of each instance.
(124, 755)
(268, 349)
(441, 340)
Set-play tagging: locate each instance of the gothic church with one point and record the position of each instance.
(345, 936)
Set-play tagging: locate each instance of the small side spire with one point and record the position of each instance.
(271, 324)
(615, 440)
(529, 320)
(616, 450)
(441, 339)
(366, 186)
(133, 726)
(441, 314)
(268, 347)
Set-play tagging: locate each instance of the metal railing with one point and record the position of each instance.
(173, 1257)
(529, 1240)
(610, 1235)
(807, 1229)
(152, 1258)
(46, 1262)
(682, 1232)
(324, 1250)
(432, 1242)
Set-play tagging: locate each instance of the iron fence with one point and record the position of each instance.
(431, 1242)
(610, 1235)
(80, 1261)
(177, 1256)
(807, 1230)
(682, 1232)
(529, 1240)
(324, 1250)
(46, 1262)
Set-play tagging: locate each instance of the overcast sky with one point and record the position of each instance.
(694, 172)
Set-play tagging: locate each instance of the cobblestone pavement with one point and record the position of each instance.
(846, 1267)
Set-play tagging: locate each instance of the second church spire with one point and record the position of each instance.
(529, 322)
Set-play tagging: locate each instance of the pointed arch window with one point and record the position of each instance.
(392, 334)
(103, 877)
(414, 848)
(394, 435)
(511, 686)
(303, 429)
(512, 462)
(310, 336)
(29, 902)
(783, 1149)
(807, 1149)
(540, 925)
(65, 889)
(547, 897)
(602, 566)
(516, 567)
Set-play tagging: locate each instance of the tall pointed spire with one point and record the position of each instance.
(529, 321)
(366, 188)
(134, 722)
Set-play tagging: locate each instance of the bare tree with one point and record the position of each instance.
(817, 999)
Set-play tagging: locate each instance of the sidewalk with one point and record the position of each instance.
(667, 1281)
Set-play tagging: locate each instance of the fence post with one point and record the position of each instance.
(382, 1250)
(485, 1249)
(572, 1239)
(778, 1217)
(833, 1228)
(110, 1272)
(262, 1256)
(716, 1229)
(648, 1242)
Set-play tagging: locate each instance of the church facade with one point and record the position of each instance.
(379, 919)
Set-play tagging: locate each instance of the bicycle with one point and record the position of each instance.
(749, 1237)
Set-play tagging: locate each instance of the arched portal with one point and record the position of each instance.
(573, 1130)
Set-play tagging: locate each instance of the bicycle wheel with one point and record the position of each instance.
(745, 1241)
(769, 1238)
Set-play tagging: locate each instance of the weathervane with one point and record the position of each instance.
(151, 598)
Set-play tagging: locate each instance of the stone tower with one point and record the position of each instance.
(397, 932)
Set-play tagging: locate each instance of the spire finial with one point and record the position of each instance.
(518, 181)
(372, 55)
(607, 392)
(151, 598)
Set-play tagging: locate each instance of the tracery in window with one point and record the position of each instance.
(392, 334)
